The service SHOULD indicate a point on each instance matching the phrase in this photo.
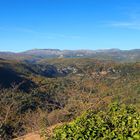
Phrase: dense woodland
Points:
(35, 96)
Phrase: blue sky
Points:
(69, 24)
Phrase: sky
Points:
(69, 24)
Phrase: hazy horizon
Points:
(70, 49)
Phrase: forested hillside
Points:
(34, 96)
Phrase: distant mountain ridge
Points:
(105, 54)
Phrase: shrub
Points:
(118, 122)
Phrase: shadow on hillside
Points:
(9, 78)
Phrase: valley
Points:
(53, 91)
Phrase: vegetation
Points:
(116, 123)
(56, 91)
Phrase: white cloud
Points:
(128, 25)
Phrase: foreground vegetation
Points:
(118, 122)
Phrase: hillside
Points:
(59, 90)
(17, 72)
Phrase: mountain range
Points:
(105, 54)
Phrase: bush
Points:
(118, 122)
(6, 131)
